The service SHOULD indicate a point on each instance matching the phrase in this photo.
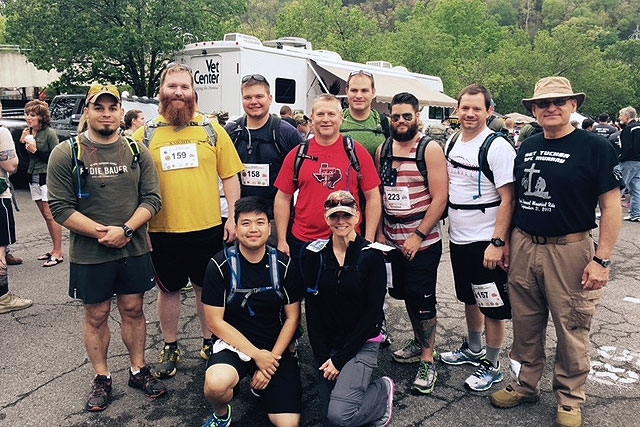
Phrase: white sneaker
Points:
(10, 302)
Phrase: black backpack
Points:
(301, 156)
(274, 134)
(387, 158)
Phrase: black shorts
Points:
(283, 395)
(7, 223)
(96, 283)
(178, 257)
(466, 261)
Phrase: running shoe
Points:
(484, 377)
(148, 383)
(425, 380)
(463, 355)
(100, 391)
(216, 421)
(166, 367)
(410, 353)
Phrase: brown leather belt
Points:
(556, 240)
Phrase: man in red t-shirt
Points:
(326, 168)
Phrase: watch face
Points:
(497, 242)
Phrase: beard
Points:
(177, 115)
(405, 136)
(105, 131)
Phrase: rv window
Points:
(436, 113)
(285, 91)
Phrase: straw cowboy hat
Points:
(553, 87)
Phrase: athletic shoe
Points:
(215, 421)
(509, 398)
(425, 380)
(484, 377)
(13, 260)
(632, 218)
(463, 355)
(385, 419)
(166, 367)
(100, 391)
(10, 302)
(410, 353)
(146, 382)
(568, 416)
(205, 351)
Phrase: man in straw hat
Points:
(560, 175)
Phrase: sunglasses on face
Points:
(171, 65)
(546, 103)
(256, 77)
(406, 116)
(346, 201)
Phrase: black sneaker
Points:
(100, 391)
(146, 382)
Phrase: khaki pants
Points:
(546, 279)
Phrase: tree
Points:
(125, 42)
(3, 29)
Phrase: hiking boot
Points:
(205, 351)
(425, 380)
(215, 421)
(10, 302)
(166, 367)
(509, 398)
(100, 391)
(12, 260)
(385, 419)
(410, 353)
(484, 377)
(568, 416)
(463, 355)
(146, 382)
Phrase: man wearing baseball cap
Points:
(104, 189)
(560, 175)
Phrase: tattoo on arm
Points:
(7, 154)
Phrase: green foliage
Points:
(120, 41)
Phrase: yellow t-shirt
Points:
(189, 167)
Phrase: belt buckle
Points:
(538, 240)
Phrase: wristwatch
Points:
(127, 231)
(603, 262)
(497, 242)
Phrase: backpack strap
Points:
(384, 123)
(78, 166)
(420, 162)
(151, 126)
(301, 156)
(386, 162)
(316, 247)
(210, 131)
(274, 135)
(350, 149)
(135, 150)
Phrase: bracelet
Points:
(420, 234)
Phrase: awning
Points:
(517, 117)
(387, 85)
(17, 71)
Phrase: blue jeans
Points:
(631, 177)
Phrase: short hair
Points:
(475, 89)
(250, 204)
(604, 117)
(326, 97)
(361, 73)
(130, 116)
(174, 67)
(255, 82)
(587, 123)
(285, 110)
(405, 98)
(629, 112)
(39, 108)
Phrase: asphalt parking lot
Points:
(45, 374)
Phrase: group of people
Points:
(370, 194)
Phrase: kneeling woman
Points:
(346, 285)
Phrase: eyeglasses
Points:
(340, 215)
(345, 201)
(406, 116)
(257, 77)
(546, 103)
(179, 65)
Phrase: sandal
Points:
(44, 257)
(53, 261)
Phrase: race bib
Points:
(179, 157)
(255, 175)
(397, 198)
(487, 295)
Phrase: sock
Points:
(475, 341)
(171, 344)
(493, 353)
(108, 375)
(135, 372)
(4, 290)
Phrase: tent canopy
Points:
(17, 71)
(387, 85)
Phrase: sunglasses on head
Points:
(340, 215)
(345, 201)
(546, 103)
(171, 65)
(406, 116)
(256, 77)
(358, 72)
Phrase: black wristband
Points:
(420, 234)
